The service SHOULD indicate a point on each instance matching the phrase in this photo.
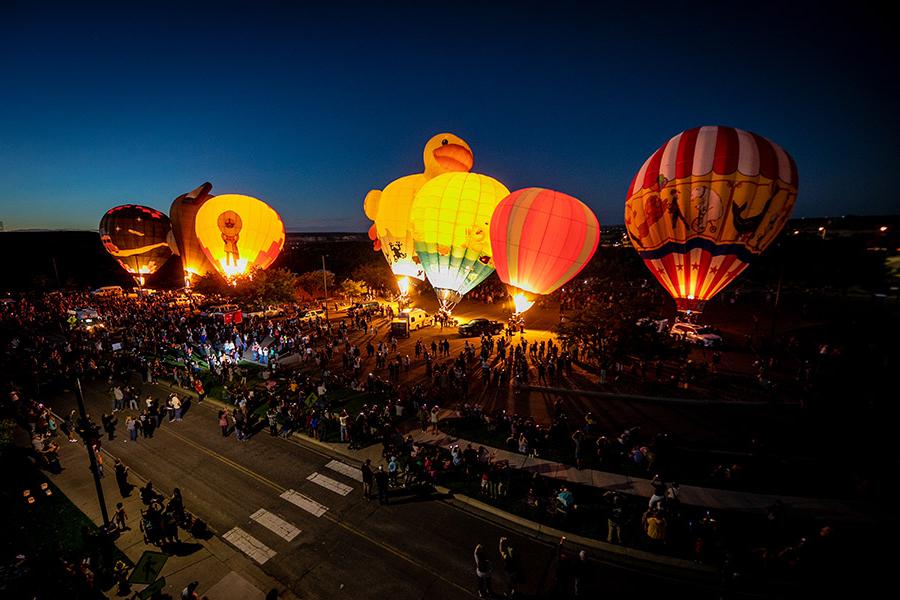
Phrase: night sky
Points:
(309, 107)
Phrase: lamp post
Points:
(325, 284)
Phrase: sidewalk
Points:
(223, 572)
(712, 498)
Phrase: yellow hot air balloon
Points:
(451, 226)
(183, 214)
(237, 233)
(390, 208)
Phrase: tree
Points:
(352, 288)
(270, 286)
(377, 275)
(213, 284)
(313, 283)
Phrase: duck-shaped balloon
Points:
(389, 208)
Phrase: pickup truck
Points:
(478, 327)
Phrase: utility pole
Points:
(325, 283)
(90, 450)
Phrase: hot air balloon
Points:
(183, 214)
(238, 233)
(704, 205)
(390, 208)
(140, 238)
(541, 239)
(451, 221)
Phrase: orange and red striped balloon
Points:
(541, 239)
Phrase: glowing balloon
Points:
(183, 214)
(704, 205)
(390, 208)
(451, 221)
(140, 238)
(541, 239)
(237, 233)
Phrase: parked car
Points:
(219, 310)
(478, 327)
(696, 334)
(312, 314)
(266, 311)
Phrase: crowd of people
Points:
(304, 367)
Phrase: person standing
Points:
(483, 571)
(368, 477)
(434, 419)
(120, 517)
(510, 561)
(381, 481)
(121, 473)
(176, 406)
(223, 423)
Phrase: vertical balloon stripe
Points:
(748, 154)
(667, 163)
(768, 160)
(684, 162)
(726, 154)
(705, 151)
(651, 175)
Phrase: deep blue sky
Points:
(308, 107)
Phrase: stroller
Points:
(151, 526)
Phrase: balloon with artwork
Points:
(183, 214)
(138, 237)
(705, 205)
(238, 233)
(390, 208)
(451, 222)
(541, 239)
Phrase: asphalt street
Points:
(413, 548)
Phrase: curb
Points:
(650, 399)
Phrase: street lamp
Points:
(325, 285)
(822, 231)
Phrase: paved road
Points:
(412, 548)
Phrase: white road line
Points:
(345, 469)
(307, 504)
(249, 545)
(276, 524)
(330, 484)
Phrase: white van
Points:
(409, 320)
(108, 290)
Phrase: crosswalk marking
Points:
(307, 504)
(276, 524)
(330, 484)
(345, 469)
(249, 545)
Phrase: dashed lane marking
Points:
(330, 484)
(276, 524)
(345, 469)
(304, 502)
(249, 545)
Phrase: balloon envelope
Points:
(139, 237)
(390, 208)
(541, 239)
(183, 214)
(237, 233)
(704, 205)
(451, 217)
